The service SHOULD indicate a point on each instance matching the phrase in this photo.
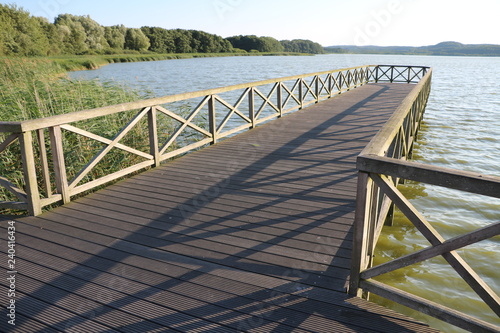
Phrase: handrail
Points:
(381, 165)
(43, 143)
(34, 124)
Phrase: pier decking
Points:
(252, 234)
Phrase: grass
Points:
(38, 88)
(72, 63)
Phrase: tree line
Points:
(25, 35)
(251, 43)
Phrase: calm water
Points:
(460, 131)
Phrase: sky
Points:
(328, 22)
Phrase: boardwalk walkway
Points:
(252, 234)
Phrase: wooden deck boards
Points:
(252, 234)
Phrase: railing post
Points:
(251, 106)
(316, 88)
(301, 93)
(360, 234)
(279, 98)
(153, 136)
(330, 85)
(59, 164)
(212, 119)
(44, 163)
(28, 159)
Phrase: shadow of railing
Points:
(164, 253)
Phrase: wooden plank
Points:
(227, 192)
(430, 252)
(14, 205)
(337, 186)
(212, 293)
(8, 141)
(211, 216)
(430, 308)
(338, 299)
(58, 319)
(269, 250)
(44, 163)
(358, 263)
(9, 186)
(254, 258)
(455, 179)
(153, 136)
(84, 303)
(323, 239)
(10, 127)
(327, 244)
(30, 177)
(187, 208)
(60, 175)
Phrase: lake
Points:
(460, 130)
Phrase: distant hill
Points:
(444, 49)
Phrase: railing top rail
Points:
(401, 66)
(35, 124)
(383, 139)
(467, 181)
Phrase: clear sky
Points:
(328, 22)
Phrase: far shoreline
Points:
(90, 62)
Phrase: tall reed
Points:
(32, 89)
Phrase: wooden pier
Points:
(252, 234)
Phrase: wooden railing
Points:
(382, 165)
(44, 146)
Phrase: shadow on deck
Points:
(252, 234)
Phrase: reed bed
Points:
(38, 88)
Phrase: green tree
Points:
(20, 33)
(270, 44)
(72, 34)
(161, 40)
(84, 35)
(115, 36)
(302, 46)
(55, 45)
(182, 41)
(246, 43)
(252, 42)
(136, 40)
(94, 33)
